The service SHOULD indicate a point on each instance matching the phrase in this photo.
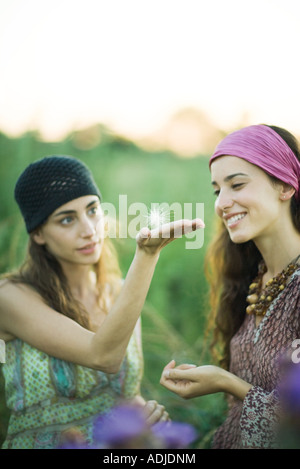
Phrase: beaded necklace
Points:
(260, 299)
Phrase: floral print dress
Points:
(48, 396)
(256, 357)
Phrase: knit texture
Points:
(49, 183)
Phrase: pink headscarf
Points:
(262, 146)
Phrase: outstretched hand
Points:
(152, 241)
(190, 381)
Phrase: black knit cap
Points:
(49, 183)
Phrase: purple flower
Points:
(290, 390)
(121, 424)
(174, 434)
(125, 426)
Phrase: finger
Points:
(172, 385)
(188, 226)
(165, 417)
(183, 366)
(197, 223)
(186, 366)
(143, 235)
(177, 228)
(156, 415)
(165, 379)
(179, 374)
(170, 365)
(150, 407)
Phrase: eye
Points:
(66, 220)
(237, 186)
(216, 188)
(93, 210)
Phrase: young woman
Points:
(255, 279)
(71, 327)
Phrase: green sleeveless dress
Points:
(48, 396)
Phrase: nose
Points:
(223, 203)
(87, 227)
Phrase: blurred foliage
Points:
(174, 317)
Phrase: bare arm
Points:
(189, 381)
(112, 337)
(24, 315)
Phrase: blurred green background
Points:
(174, 316)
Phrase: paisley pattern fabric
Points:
(48, 396)
(256, 357)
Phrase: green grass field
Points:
(174, 317)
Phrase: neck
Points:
(81, 280)
(278, 252)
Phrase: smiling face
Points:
(74, 233)
(247, 201)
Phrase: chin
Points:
(239, 238)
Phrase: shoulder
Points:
(15, 299)
(7, 293)
(10, 292)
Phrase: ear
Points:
(286, 192)
(38, 237)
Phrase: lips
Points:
(88, 248)
(234, 218)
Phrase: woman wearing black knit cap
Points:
(70, 325)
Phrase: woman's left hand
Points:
(153, 241)
(154, 412)
(190, 381)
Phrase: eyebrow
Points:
(231, 176)
(68, 212)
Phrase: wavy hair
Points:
(230, 268)
(42, 272)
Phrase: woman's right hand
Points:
(190, 381)
(153, 241)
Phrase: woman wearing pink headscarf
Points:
(254, 267)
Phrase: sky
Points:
(131, 64)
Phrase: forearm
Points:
(111, 340)
(234, 385)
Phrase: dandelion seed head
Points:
(157, 216)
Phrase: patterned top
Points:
(48, 396)
(256, 354)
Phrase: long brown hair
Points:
(42, 272)
(230, 268)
